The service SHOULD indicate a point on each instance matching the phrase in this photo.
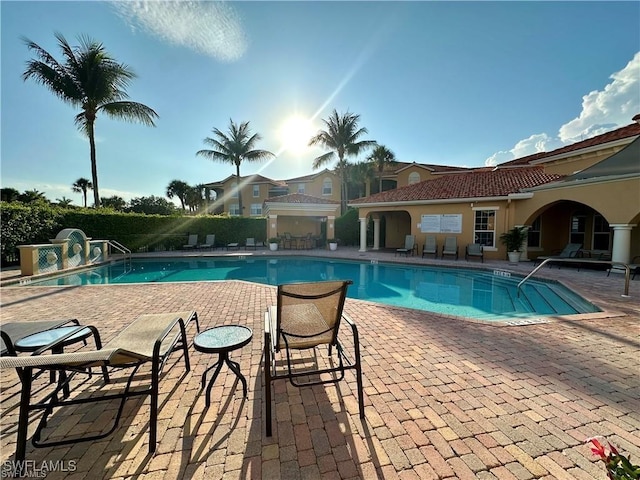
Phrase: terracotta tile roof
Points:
(308, 178)
(429, 166)
(299, 198)
(618, 134)
(251, 179)
(477, 183)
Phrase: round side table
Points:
(222, 340)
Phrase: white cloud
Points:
(210, 28)
(602, 111)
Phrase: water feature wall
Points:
(71, 248)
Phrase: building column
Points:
(272, 230)
(331, 229)
(363, 234)
(524, 248)
(376, 233)
(621, 251)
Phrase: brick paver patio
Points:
(445, 397)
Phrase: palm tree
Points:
(89, 79)
(359, 174)
(81, 185)
(341, 136)
(64, 202)
(178, 189)
(381, 158)
(239, 146)
(32, 196)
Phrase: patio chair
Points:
(409, 245)
(430, 246)
(192, 242)
(250, 243)
(474, 250)
(209, 242)
(450, 247)
(12, 332)
(569, 251)
(308, 315)
(287, 242)
(149, 340)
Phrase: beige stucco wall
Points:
(405, 220)
(403, 176)
(314, 186)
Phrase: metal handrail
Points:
(126, 253)
(627, 269)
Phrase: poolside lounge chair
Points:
(150, 339)
(287, 242)
(308, 315)
(210, 242)
(430, 246)
(192, 242)
(450, 247)
(409, 245)
(12, 332)
(634, 267)
(569, 251)
(474, 250)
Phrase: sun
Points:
(295, 134)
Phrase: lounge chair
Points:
(569, 251)
(634, 267)
(210, 242)
(150, 339)
(474, 250)
(192, 242)
(233, 246)
(250, 243)
(430, 246)
(409, 245)
(12, 332)
(450, 247)
(308, 315)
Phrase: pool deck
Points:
(445, 398)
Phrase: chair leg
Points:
(23, 419)
(153, 420)
(267, 381)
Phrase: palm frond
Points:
(130, 111)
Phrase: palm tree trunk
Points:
(239, 189)
(84, 194)
(94, 165)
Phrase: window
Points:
(301, 188)
(256, 209)
(256, 191)
(485, 228)
(578, 223)
(327, 187)
(234, 209)
(601, 233)
(234, 190)
(533, 239)
(414, 177)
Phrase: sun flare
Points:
(295, 134)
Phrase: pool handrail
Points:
(126, 253)
(627, 269)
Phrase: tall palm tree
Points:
(81, 185)
(235, 148)
(88, 78)
(358, 175)
(178, 189)
(381, 158)
(341, 136)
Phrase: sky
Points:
(446, 83)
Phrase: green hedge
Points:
(30, 224)
(38, 223)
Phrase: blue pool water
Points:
(472, 293)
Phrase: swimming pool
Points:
(471, 293)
